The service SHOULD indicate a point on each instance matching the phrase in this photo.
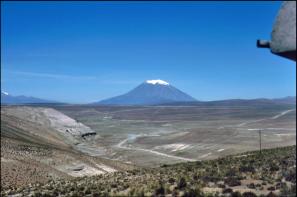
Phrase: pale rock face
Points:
(50, 118)
(157, 81)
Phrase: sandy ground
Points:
(168, 150)
(121, 145)
(184, 133)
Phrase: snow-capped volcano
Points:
(157, 81)
(150, 92)
(5, 93)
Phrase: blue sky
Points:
(87, 51)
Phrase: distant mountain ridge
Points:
(7, 99)
(10, 99)
(150, 92)
(286, 100)
(290, 100)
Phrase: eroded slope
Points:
(35, 147)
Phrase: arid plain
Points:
(150, 136)
(50, 142)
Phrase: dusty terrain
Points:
(150, 136)
(51, 143)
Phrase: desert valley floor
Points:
(60, 141)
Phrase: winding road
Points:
(122, 146)
(274, 117)
(122, 143)
(282, 114)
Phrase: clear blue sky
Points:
(87, 51)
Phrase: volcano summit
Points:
(150, 92)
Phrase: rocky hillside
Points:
(270, 173)
(34, 149)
